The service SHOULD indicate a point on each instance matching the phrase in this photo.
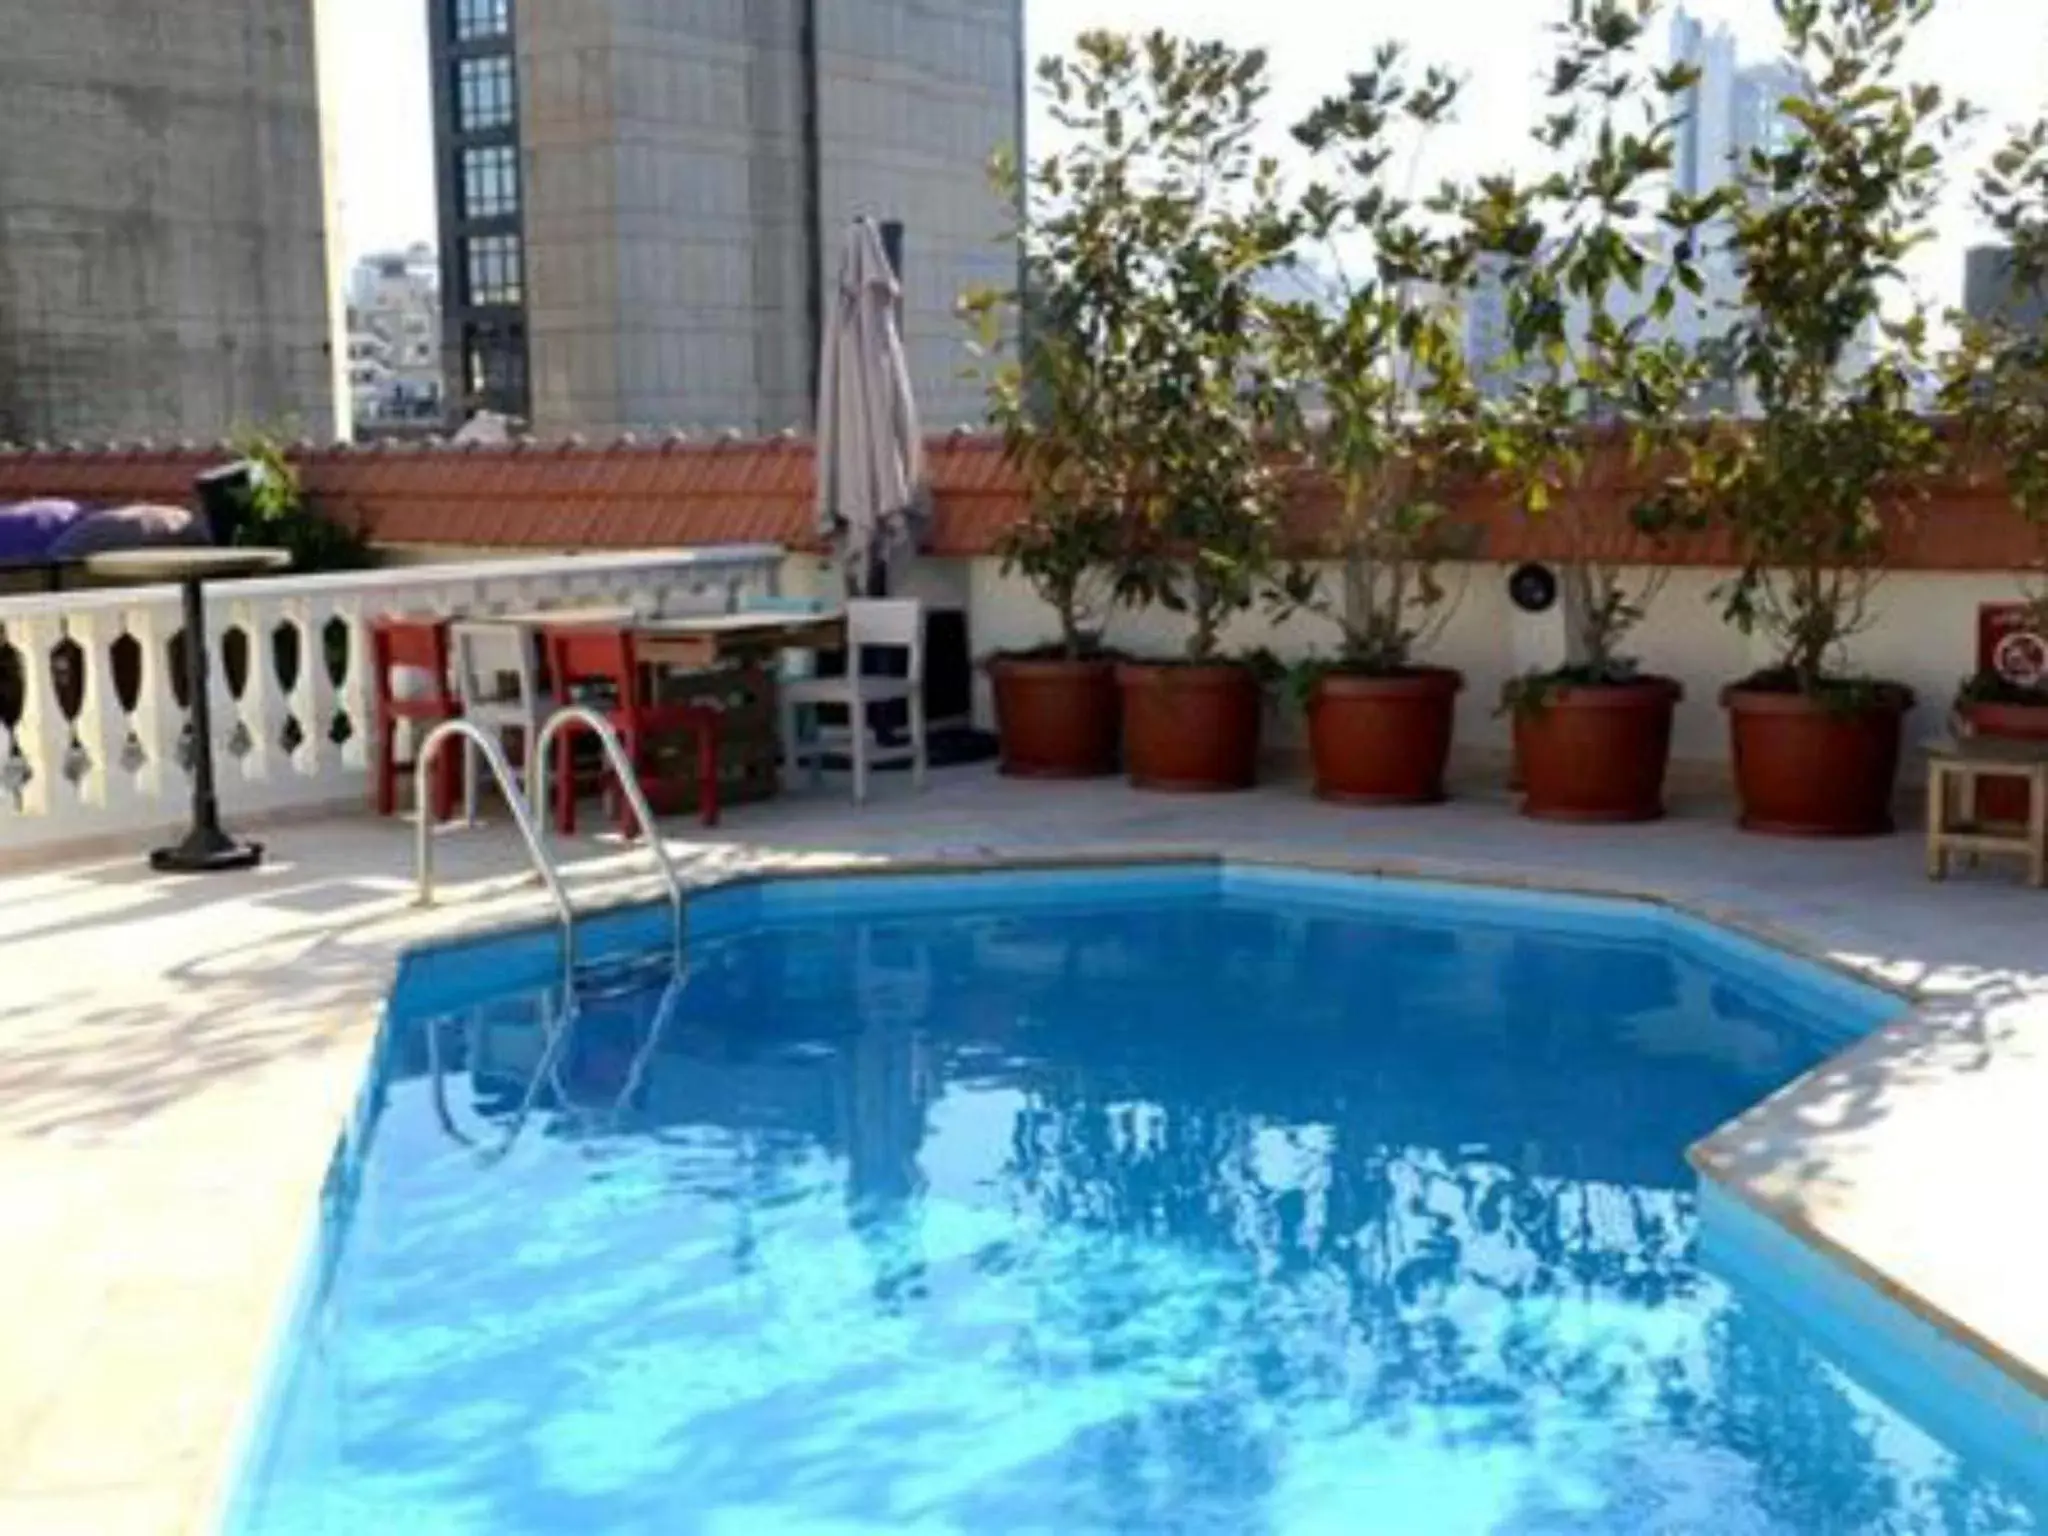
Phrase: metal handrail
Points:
(558, 1036)
(629, 786)
(665, 1010)
(524, 815)
(547, 1073)
(536, 847)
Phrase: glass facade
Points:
(476, 89)
(490, 182)
(475, 19)
(494, 362)
(495, 275)
(483, 93)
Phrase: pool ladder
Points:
(547, 1074)
(528, 815)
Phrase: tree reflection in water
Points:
(1181, 1216)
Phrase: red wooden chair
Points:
(594, 659)
(420, 646)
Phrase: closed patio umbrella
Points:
(873, 500)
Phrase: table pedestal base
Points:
(206, 851)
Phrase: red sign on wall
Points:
(2009, 644)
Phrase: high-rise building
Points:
(1487, 322)
(641, 200)
(394, 339)
(1990, 292)
(1730, 112)
(1488, 331)
(164, 269)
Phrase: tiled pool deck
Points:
(176, 1057)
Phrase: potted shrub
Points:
(1373, 358)
(1996, 383)
(1596, 262)
(1057, 714)
(1195, 215)
(1064, 399)
(274, 510)
(1835, 446)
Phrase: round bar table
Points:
(206, 848)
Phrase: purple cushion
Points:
(28, 529)
(136, 527)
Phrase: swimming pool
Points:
(1179, 1199)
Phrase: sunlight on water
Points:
(1189, 1216)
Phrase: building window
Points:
(494, 267)
(482, 18)
(494, 368)
(483, 93)
(490, 182)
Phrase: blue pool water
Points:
(1168, 1202)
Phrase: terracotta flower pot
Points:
(1382, 740)
(1057, 719)
(1597, 753)
(2005, 799)
(1816, 767)
(1192, 728)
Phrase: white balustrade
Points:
(93, 722)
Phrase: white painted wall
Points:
(1923, 633)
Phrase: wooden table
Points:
(1953, 769)
(702, 644)
(733, 639)
(724, 659)
(206, 849)
(51, 571)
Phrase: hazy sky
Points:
(1993, 51)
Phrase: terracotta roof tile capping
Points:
(684, 490)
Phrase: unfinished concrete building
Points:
(164, 269)
(641, 200)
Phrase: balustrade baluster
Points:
(42, 733)
(129, 771)
(311, 696)
(101, 729)
(158, 723)
(235, 752)
(354, 697)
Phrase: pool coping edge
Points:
(509, 911)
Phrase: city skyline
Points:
(384, 120)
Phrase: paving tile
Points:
(98, 1512)
(164, 1122)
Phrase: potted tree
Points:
(1996, 384)
(1057, 713)
(1065, 399)
(1202, 228)
(1597, 260)
(1375, 367)
(1835, 447)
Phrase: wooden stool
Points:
(1953, 769)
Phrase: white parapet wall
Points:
(1920, 630)
(98, 744)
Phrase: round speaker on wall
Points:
(1533, 588)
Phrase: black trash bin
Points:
(222, 496)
